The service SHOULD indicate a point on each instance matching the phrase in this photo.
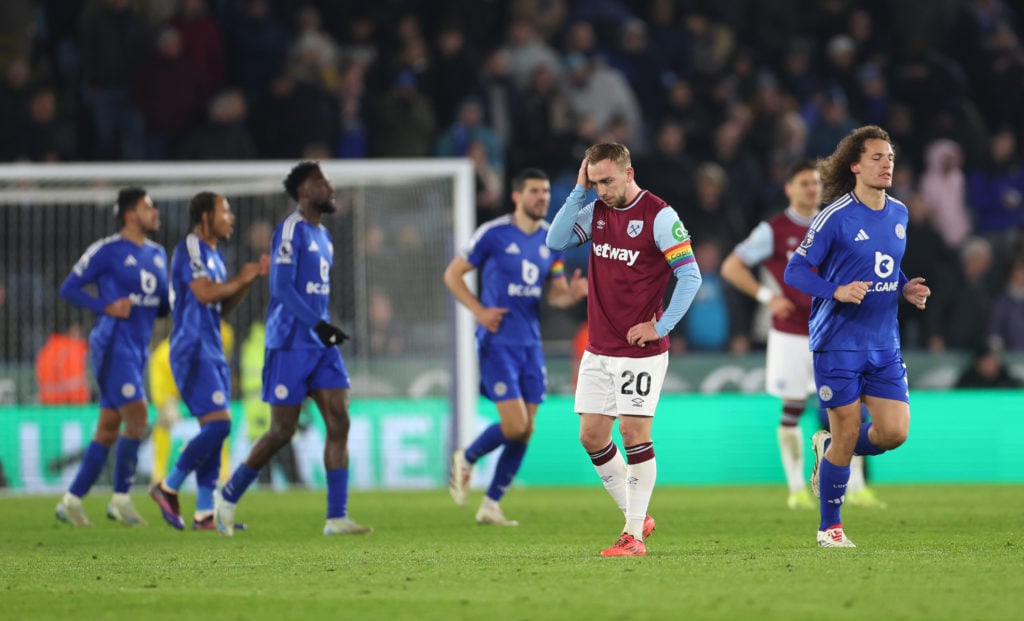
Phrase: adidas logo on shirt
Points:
(512, 248)
(861, 236)
(313, 247)
(130, 260)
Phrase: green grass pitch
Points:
(936, 552)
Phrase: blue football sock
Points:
(509, 461)
(199, 449)
(239, 482)
(832, 482)
(337, 493)
(126, 460)
(206, 481)
(89, 470)
(488, 440)
(864, 445)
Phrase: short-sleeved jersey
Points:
(120, 268)
(771, 244)
(634, 252)
(513, 269)
(848, 241)
(309, 252)
(196, 330)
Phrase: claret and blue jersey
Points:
(848, 241)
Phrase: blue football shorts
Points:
(204, 384)
(119, 375)
(842, 377)
(512, 372)
(290, 374)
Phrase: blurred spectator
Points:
(711, 43)
(314, 55)
(741, 167)
(403, 123)
(547, 16)
(927, 255)
(668, 167)
(352, 129)
(1007, 322)
(46, 136)
(960, 315)
(467, 129)
(359, 46)
(490, 182)
(944, 189)
(169, 92)
(455, 71)
(201, 42)
(829, 121)
(705, 327)
(61, 367)
(987, 370)
(525, 50)
(872, 95)
(996, 190)
(603, 94)
(15, 91)
(712, 214)
(501, 97)
(257, 46)
(224, 136)
(542, 138)
(114, 43)
(642, 67)
(388, 336)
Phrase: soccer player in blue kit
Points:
(856, 243)
(301, 357)
(129, 272)
(201, 295)
(515, 265)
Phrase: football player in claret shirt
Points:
(638, 244)
(515, 267)
(856, 244)
(301, 357)
(129, 272)
(201, 294)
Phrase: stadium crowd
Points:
(715, 99)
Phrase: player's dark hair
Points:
(300, 173)
(801, 166)
(127, 199)
(519, 181)
(204, 202)
(617, 153)
(836, 176)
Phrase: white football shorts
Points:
(613, 386)
(789, 370)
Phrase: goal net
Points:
(398, 224)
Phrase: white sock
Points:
(856, 475)
(791, 447)
(613, 476)
(70, 498)
(640, 480)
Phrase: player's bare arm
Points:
(488, 317)
(563, 294)
(736, 273)
(916, 292)
(852, 293)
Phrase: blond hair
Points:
(614, 151)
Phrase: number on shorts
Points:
(643, 383)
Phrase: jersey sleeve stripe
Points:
(288, 232)
(679, 255)
(91, 251)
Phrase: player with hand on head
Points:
(201, 295)
(301, 355)
(129, 272)
(638, 244)
(849, 263)
(515, 264)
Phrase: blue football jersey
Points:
(300, 283)
(513, 268)
(196, 330)
(120, 268)
(848, 241)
